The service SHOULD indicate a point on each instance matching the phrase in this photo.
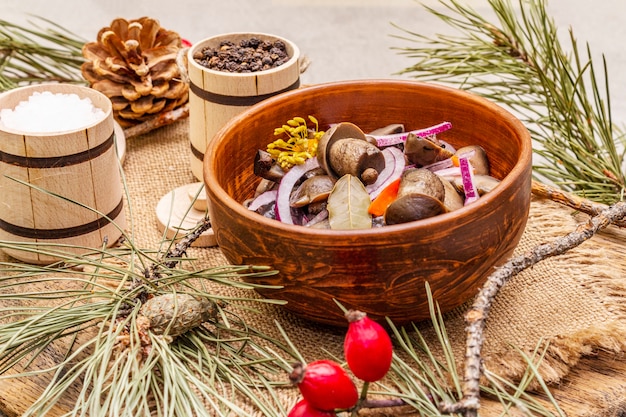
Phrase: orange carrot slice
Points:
(378, 206)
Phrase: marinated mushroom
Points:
(324, 224)
(453, 200)
(388, 130)
(422, 151)
(412, 207)
(339, 131)
(420, 195)
(264, 185)
(344, 149)
(391, 129)
(266, 167)
(356, 157)
(483, 183)
(267, 210)
(312, 190)
(421, 181)
(314, 172)
(478, 158)
(316, 207)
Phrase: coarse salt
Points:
(47, 112)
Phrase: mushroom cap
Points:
(483, 183)
(388, 130)
(453, 199)
(356, 157)
(339, 131)
(313, 189)
(423, 151)
(421, 181)
(411, 207)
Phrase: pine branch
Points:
(43, 52)
(520, 63)
(121, 361)
(556, 94)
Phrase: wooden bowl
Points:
(381, 271)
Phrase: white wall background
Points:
(344, 39)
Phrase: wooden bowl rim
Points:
(489, 200)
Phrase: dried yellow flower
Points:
(299, 145)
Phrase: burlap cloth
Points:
(574, 302)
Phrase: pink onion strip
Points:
(439, 165)
(467, 176)
(263, 199)
(448, 162)
(283, 209)
(383, 141)
(394, 165)
(449, 172)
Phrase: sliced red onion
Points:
(439, 165)
(383, 141)
(467, 154)
(449, 172)
(394, 165)
(263, 199)
(319, 217)
(283, 209)
(448, 162)
(467, 176)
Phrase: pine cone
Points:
(134, 64)
(177, 313)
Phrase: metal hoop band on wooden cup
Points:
(60, 187)
(217, 96)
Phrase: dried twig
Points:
(382, 403)
(159, 120)
(571, 200)
(172, 257)
(478, 313)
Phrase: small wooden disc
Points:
(179, 213)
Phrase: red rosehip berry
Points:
(367, 347)
(325, 385)
(304, 409)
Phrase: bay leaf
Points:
(347, 204)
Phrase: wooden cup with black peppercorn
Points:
(230, 73)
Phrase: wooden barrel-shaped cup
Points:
(59, 187)
(218, 96)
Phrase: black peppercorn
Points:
(249, 55)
